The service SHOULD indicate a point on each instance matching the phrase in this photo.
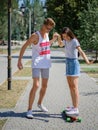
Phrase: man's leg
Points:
(33, 92)
(42, 91)
(32, 97)
(42, 94)
(45, 76)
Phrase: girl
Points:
(72, 47)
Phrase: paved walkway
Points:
(56, 99)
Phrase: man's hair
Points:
(49, 21)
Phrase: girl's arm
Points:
(84, 55)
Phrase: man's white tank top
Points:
(41, 53)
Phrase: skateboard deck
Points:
(69, 118)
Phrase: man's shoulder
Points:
(35, 34)
(35, 38)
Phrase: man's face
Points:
(48, 28)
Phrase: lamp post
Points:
(9, 44)
(45, 11)
(23, 10)
(29, 23)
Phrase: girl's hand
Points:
(91, 62)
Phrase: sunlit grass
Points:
(90, 70)
(2, 122)
(28, 63)
(8, 98)
(25, 72)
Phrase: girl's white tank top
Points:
(41, 53)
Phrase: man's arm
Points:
(33, 39)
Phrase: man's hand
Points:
(55, 36)
(19, 65)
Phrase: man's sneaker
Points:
(69, 108)
(73, 112)
(44, 109)
(29, 114)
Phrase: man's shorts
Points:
(36, 72)
(72, 67)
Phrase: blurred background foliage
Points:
(80, 15)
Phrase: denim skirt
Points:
(72, 67)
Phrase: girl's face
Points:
(66, 37)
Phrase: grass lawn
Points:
(8, 98)
(25, 72)
(91, 70)
(2, 122)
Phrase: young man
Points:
(40, 62)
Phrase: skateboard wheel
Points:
(68, 119)
(63, 111)
(79, 119)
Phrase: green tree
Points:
(65, 12)
(4, 17)
(17, 26)
(37, 15)
(88, 32)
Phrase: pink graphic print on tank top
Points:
(45, 48)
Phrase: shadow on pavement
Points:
(12, 114)
(38, 115)
(89, 93)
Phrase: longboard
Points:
(69, 118)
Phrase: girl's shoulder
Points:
(75, 40)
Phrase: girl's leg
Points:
(73, 85)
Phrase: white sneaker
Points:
(44, 109)
(69, 108)
(29, 114)
(73, 112)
